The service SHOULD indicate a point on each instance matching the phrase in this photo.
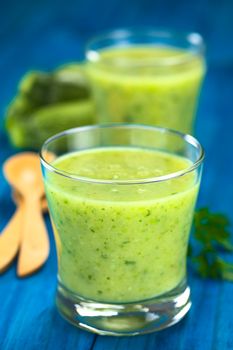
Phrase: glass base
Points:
(127, 318)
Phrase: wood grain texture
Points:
(45, 34)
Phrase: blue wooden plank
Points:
(222, 338)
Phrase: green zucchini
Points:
(47, 103)
(47, 121)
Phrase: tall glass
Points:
(122, 243)
(147, 76)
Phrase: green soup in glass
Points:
(121, 200)
(147, 77)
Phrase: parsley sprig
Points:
(211, 239)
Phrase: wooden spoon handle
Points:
(34, 248)
(17, 198)
(10, 239)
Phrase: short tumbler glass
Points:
(146, 76)
(122, 244)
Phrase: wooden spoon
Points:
(11, 235)
(10, 239)
(24, 174)
(17, 198)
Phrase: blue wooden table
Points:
(43, 35)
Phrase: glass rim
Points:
(195, 39)
(186, 137)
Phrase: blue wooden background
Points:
(43, 34)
